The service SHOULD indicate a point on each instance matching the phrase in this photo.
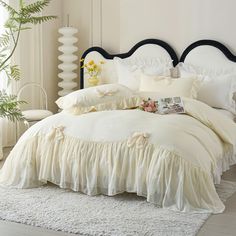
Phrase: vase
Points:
(93, 81)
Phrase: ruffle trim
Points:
(195, 88)
(117, 104)
(232, 101)
(110, 168)
(142, 63)
(206, 72)
(224, 164)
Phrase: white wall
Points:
(111, 25)
(98, 22)
(178, 22)
(125, 22)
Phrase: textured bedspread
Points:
(172, 160)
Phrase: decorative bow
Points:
(106, 93)
(139, 139)
(56, 133)
(167, 79)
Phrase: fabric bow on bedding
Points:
(138, 139)
(167, 80)
(56, 133)
(106, 93)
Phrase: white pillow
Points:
(99, 98)
(35, 115)
(216, 90)
(169, 87)
(129, 70)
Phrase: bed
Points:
(171, 160)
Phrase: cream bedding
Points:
(172, 160)
(229, 114)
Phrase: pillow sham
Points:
(216, 90)
(169, 87)
(129, 70)
(103, 97)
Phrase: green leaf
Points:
(35, 7)
(4, 51)
(21, 3)
(25, 28)
(5, 39)
(12, 72)
(10, 9)
(10, 24)
(15, 72)
(9, 107)
(34, 19)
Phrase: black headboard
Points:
(208, 42)
(107, 55)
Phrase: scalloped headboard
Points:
(209, 55)
(149, 48)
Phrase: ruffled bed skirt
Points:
(154, 172)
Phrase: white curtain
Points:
(7, 136)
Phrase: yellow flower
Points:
(91, 62)
(92, 68)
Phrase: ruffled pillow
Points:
(99, 98)
(129, 70)
(169, 87)
(216, 90)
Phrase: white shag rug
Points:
(126, 214)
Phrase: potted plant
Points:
(17, 21)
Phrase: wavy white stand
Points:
(67, 66)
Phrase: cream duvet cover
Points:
(172, 160)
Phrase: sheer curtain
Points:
(6, 128)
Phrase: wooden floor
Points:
(217, 225)
(223, 224)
